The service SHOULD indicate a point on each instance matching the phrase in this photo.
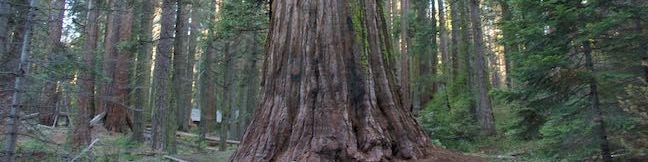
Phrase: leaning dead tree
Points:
(329, 93)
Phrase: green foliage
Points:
(449, 118)
(236, 17)
(553, 96)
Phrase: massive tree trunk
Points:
(326, 96)
(49, 96)
(484, 109)
(163, 119)
(181, 85)
(117, 118)
(86, 79)
(405, 56)
(18, 88)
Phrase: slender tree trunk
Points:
(484, 109)
(644, 63)
(426, 47)
(49, 94)
(251, 83)
(181, 84)
(443, 38)
(228, 80)
(196, 29)
(509, 48)
(208, 79)
(454, 40)
(342, 110)
(143, 76)
(5, 13)
(11, 60)
(595, 104)
(22, 71)
(163, 119)
(405, 56)
(86, 79)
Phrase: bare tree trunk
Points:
(196, 29)
(228, 80)
(405, 56)
(208, 79)
(425, 47)
(181, 85)
(595, 103)
(644, 63)
(251, 83)
(49, 94)
(11, 58)
(343, 110)
(509, 49)
(111, 38)
(5, 13)
(443, 38)
(117, 118)
(143, 91)
(455, 40)
(22, 71)
(484, 109)
(86, 79)
(163, 119)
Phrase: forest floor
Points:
(46, 143)
(52, 144)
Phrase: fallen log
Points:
(86, 149)
(174, 158)
(208, 138)
(97, 119)
(217, 139)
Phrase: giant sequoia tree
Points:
(328, 94)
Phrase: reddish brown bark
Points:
(117, 118)
(208, 80)
(49, 96)
(319, 103)
(86, 82)
(405, 57)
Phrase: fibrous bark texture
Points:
(484, 108)
(182, 88)
(86, 82)
(163, 125)
(117, 118)
(326, 96)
